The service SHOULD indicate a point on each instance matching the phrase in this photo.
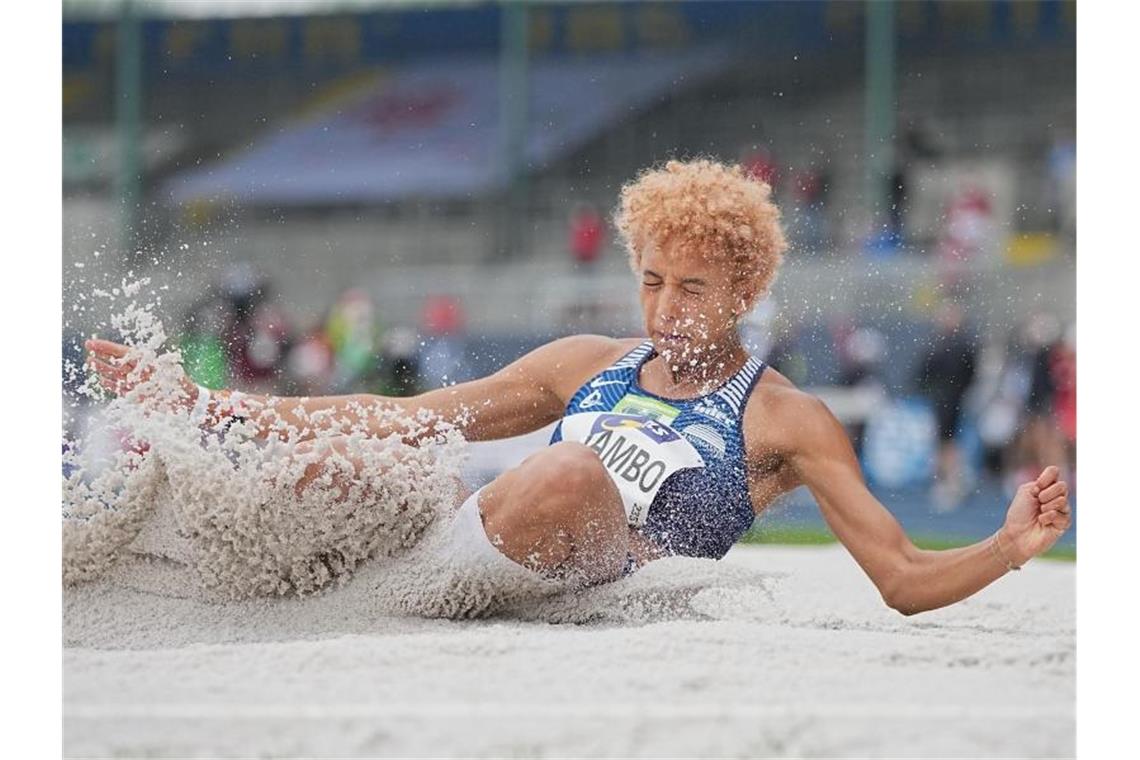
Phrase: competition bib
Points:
(638, 452)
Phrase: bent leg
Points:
(558, 513)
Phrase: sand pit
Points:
(214, 607)
(776, 651)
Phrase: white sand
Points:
(776, 651)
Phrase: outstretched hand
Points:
(119, 372)
(1038, 515)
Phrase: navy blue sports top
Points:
(678, 463)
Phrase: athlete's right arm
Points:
(522, 397)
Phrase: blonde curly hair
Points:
(706, 207)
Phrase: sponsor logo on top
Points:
(714, 413)
(653, 429)
(592, 400)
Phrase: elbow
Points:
(904, 608)
(897, 590)
(902, 604)
(894, 597)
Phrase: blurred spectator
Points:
(786, 354)
(257, 337)
(443, 355)
(967, 235)
(203, 352)
(351, 330)
(759, 164)
(862, 352)
(755, 328)
(1063, 368)
(915, 143)
(242, 286)
(587, 234)
(809, 192)
(310, 364)
(920, 139)
(944, 374)
(1052, 388)
(400, 373)
(996, 399)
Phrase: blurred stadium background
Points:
(388, 196)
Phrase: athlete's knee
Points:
(583, 501)
(569, 468)
(569, 488)
(550, 488)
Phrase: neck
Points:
(713, 364)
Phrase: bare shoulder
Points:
(781, 418)
(568, 362)
(576, 353)
(577, 350)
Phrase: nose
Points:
(668, 305)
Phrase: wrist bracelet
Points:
(201, 406)
(999, 555)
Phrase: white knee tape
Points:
(469, 577)
(470, 542)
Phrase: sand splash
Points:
(229, 504)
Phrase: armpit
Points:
(768, 479)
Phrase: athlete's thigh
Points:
(560, 505)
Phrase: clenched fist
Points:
(1038, 515)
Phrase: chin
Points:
(677, 348)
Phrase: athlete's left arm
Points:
(815, 446)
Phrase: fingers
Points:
(115, 375)
(1060, 504)
(117, 364)
(108, 371)
(105, 348)
(104, 353)
(1048, 476)
(1060, 488)
(102, 368)
(110, 378)
(111, 366)
(119, 369)
(1057, 520)
(1055, 512)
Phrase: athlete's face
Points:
(690, 304)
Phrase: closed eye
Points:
(693, 286)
